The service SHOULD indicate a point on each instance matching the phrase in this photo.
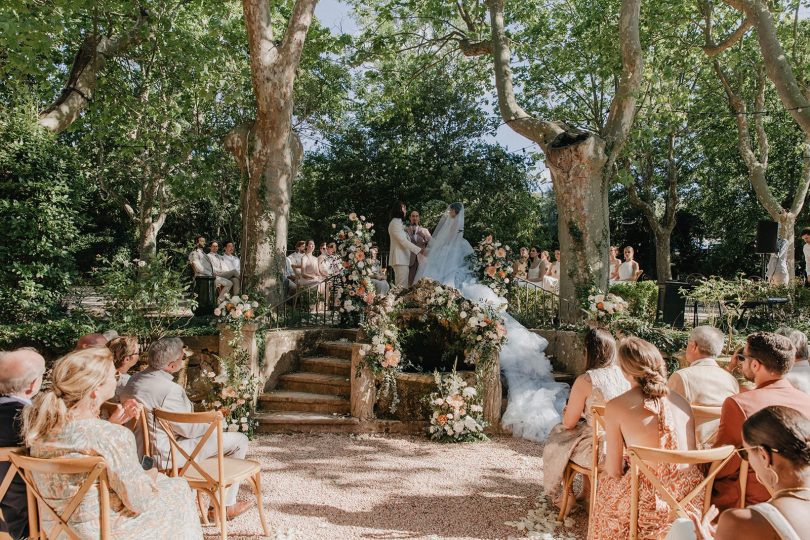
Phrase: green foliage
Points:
(143, 298)
(51, 338)
(641, 297)
(669, 341)
(41, 194)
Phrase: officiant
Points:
(419, 236)
(401, 246)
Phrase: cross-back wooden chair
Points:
(5, 452)
(96, 471)
(109, 407)
(705, 414)
(641, 457)
(571, 469)
(210, 475)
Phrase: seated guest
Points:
(646, 415)
(126, 353)
(704, 382)
(90, 341)
(766, 360)
(799, 374)
(290, 285)
(629, 270)
(64, 422)
(155, 388)
(775, 440)
(536, 267)
(555, 267)
(20, 380)
(231, 262)
(571, 439)
(221, 268)
(201, 265)
(295, 257)
(311, 272)
(381, 285)
(521, 263)
(615, 263)
(323, 253)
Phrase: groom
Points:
(420, 236)
(401, 246)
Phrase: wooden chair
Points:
(5, 452)
(210, 475)
(641, 456)
(703, 415)
(96, 471)
(744, 483)
(109, 407)
(571, 469)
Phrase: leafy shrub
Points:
(669, 341)
(41, 191)
(51, 338)
(641, 297)
(143, 298)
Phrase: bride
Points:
(535, 400)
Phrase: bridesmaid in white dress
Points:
(629, 270)
(571, 439)
(615, 263)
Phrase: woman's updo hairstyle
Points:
(642, 361)
(782, 430)
(74, 377)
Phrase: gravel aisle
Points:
(381, 487)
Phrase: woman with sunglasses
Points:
(776, 443)
(126, 353)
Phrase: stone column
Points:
(492, 395)
(363, 389)
(247, 341)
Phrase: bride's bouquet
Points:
(491, 262)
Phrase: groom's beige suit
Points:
(401, 249)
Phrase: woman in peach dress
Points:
(646, 415)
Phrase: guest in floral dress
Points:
(571, 439)
(64, 422)
(646, 415)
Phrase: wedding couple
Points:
(535, 401)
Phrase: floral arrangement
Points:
(236, 309)
(354, 249)
(606, 305)
(457, 411)
(232, 393)
(478, 327)
(492, 263)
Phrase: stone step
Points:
(305, 422)
(287, 401)
(563, 377)
(328, 365)
(316, 383)
(337, 349)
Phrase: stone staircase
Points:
(314, 399)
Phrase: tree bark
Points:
(581, 163)
(81, 84)
(271, 150)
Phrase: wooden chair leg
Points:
(568, 480)
(257, 485)
(201, 507)
(223, 513)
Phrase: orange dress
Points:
(611, 518)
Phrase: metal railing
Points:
(314, 304)
(533, 306)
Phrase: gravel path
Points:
(381, 487)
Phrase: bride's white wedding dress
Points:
(535, 401)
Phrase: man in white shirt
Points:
(297, 256)
(806, 251)
(230, 259)
(155, 388)
(704, 382)
(201, 264)
(221, 268)
(799, 374)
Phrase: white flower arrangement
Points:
(236, 308)
(606, 305)
(353, 249)
(492, 263)
(457, 414)
(232, 392)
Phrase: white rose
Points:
(141, 264)
(245, 427)
(468, 392)
(217, 312)
(233, 427)
(463, 314)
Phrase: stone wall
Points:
(566, 350)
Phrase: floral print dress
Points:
(611, 518)
(140, 508)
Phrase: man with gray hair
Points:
(799, 374)
(155, 388)
(21, 374)
(704, 382)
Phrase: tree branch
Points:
(713, 50)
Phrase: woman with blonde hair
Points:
(126, 353)
(64, 422)
(646, 415)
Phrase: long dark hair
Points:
(600, 348)
(398, 210)
(782, 430)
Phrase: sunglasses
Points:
(743, 452)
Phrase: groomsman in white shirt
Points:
(222, 269)
(232, 263)
(806, 251)
(201, 264)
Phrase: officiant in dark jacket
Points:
(21, 374)
(419, 236)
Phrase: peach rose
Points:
(500, 252)
(359, 256)
(441, 419)
(490, 270)
(488, 239)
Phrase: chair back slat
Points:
(214, 420)
(641, 456)
(12, 471)
(96, 470)
(134, 424)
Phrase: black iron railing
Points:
(314, 304)
(532, 306)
